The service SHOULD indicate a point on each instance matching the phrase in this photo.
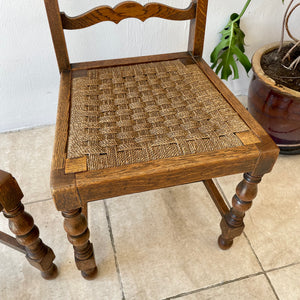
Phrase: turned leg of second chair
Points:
(27, 234)
(232, 224)
(75, 224)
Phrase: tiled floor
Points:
(159, 244)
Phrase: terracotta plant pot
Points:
(276, 108)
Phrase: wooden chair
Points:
(21, 224)
(131, 125)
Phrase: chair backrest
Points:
(59, 21)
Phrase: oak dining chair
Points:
(137, 124)
(22, 225)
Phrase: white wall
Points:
(28, 72)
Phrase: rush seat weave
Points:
(130, 114)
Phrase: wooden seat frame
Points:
(21, 223)
(72, 190)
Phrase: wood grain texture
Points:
(268, 155)
(127, 61)
(232, 224)
(64, 191)
(128, 9)
(10, 192)
(197, 28)
(112, 182)
(22, 225)
(75, 224)
(10, 197)
(27, 234)
(63, 186)
(11, 242)
(248, 137)
(57, 33)
(62, 122)
(76, 165)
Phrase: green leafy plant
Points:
(231, 48)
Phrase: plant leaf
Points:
(230, 49)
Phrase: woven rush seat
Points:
(137, 113)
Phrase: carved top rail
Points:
(128, 9)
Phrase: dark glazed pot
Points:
(276, 108)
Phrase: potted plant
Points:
(274, 92)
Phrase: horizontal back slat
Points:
(128, 9)
(59, 21)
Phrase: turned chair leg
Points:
(27, 234)
(232, 224)
(75, 225)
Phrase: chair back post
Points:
(197, 29)
(57, 33)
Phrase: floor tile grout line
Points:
(261, 266)
(26, 129)
(271, 285)
(114, 248)
(213, 286)
(283, 267)
(37, 201)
